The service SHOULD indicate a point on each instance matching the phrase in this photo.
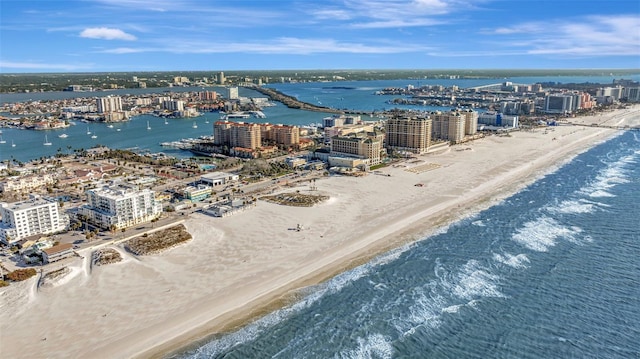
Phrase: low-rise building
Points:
(497, 119)
(196, 193)
(219, 178)
(26, 183)
(57, 252)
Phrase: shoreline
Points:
(239, 268)
(289, 294)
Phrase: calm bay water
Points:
(353, 95)
(551, 272)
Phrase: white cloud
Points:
(154, 5)
(283, 45)
(370, 14)
(616, 35)
(106, 33)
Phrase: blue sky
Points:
(165, 35)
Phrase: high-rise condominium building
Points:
(237, 134)
(282, 135)
(109, 104)
(448, 126)
(412, 134)
(232, 93)
(470, 121)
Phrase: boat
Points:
(64, 135)
(195, 125)
(110, 126)
(88, 131)
(13, 144)
(166, 122)
(94, 136)
(148, 126)
(235, 115)
(46, 141)
(2, 140)
(117, 129)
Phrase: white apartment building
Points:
(109, 104)
(173, 105)
(498, 119)
(31, 217)
(232, 93)
(120, 206)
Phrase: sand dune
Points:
(241, 266)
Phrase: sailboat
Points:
(148, 127)
(13, 144)
(88, 132)
(64, 135)
(2, 140)
(46, 141)
(94, 136)
(195, 125)
(166, 122)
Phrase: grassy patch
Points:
(295, 199)
(158, 241)
(19, 275)
(106, 256)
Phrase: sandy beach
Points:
(245, 265)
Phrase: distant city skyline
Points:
(191, 35)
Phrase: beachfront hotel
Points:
(363, 145)
(120, 206)
(497, 119)
(27, 218)
(411, 134)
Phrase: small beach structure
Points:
(57, 252)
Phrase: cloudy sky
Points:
(159, 35)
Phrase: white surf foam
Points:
(373, 346)
(514, 261)
(541, 234)
(479, 223)
(614, 174)
(447, 294)
(572, 207)
(476, 281)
